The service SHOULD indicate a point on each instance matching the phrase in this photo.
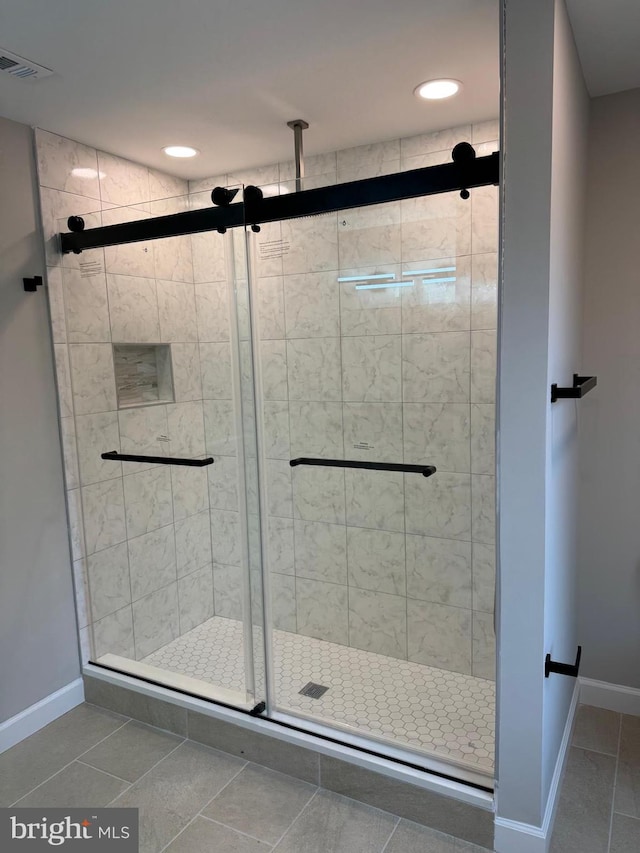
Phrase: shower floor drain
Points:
(315, 691)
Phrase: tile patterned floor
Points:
(599, 809)
(433, 710)
(193, 799)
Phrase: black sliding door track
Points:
(461, 175)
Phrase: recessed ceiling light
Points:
(180, 151)
(436, 90)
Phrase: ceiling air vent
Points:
(18, 66)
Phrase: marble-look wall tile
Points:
(189, 490)
(483, 366)
(437, 434)
(312, 305)
(228, 591)
(484, 646)
(164, 186)
(321, 551)
(440, 298)
(375, 499)
(484, 577)
(374, 153)
(104, 517)
(87, 311)
(439, 140)
(172, 257)
(152, 561)
(215, 364)
(372, 369)
(319, 494)
(223, 483)
(114, 634)
(69, 452)
(483, 438)
(315, 165)
(439, 570)
(195, 598)
(313, 244)
(280, 551)
(55, 207)
(484, 291)
(121, 181)
(276, 429)
(97, 434)
(63, 380)
(322, 611)
(177, 311)
(436, 367)
(273, 362)
(370, 311)
(316, 429)
(212, 311)
(225, 537)
(208, 255)
(129, 259)
(92, 377)
(144, 431)
(147, 498)
(185, 424)
(108, 573)
(313, 369)
(373, 431)
(279, 489)
(67, 165)
(133, 306)
(81, 590)
(439, 506)
(193, 543)
(76, 524)
(483, 504)
(378, 622)
(187, 381)
(56, 305)
(439, 635)
(370, 235)
(155, 619)
(376, 560)
(220, 427)
(269, 297)
(283, 602)
(484, 219)
(486, 131)
(435, 227)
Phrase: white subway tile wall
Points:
(394, 564)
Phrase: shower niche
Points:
(143, 374)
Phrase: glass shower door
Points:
(375, 343)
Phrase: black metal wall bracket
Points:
(562, 668)
(32, 284)
(581, 386)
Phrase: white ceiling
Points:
(226, 75)
(607, 34)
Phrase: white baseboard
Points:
(34, 718)
(613, 697)
(514, 837)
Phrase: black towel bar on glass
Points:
(425, 470)
(157, 460)
(571, 669)
(581, 386)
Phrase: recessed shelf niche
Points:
(143, 374)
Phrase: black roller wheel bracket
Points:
(562, 668)
(260, 708)
(463, 154)
(32, 284)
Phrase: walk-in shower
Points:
(284, 410)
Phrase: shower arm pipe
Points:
(255, 210)
(298, 126)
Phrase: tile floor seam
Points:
(234, 829)
(296, 819)
(105, 772)
(391, 834)
(615, 784)
(68, 764)
(146, 773)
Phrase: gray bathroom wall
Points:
(38, 631)
(609, 581)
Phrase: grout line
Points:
(69, 763)
(153, 766)
(296, 819)
(393, 832)
(235, 829)
(105, 772)
(615, 783)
